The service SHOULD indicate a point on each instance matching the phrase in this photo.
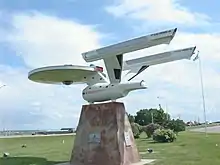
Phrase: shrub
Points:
(135, 130)
(140, 128)
(150, 128)
(164, 135)
(176, 125)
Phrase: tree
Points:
(131, 118)
(176, 125)
(147, 116)
(143, 117)
(150, 128)
(135, 130)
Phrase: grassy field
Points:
(190, 149)
(40, 150)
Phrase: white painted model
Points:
(140, 64)
(100, 88)
(159, 58)
(67, 73)
(163, 37)
(113, 54)
(103, 92)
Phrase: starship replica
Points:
(104, 133)
(102, 87)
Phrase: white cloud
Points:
(179, 81)
(45, 40)
(186, 70)
(58, 41)
(37, 105)
(42, 40)
(157, 11)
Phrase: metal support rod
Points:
(3, 128)
(203, 97)
(167, 111)
(166, 106)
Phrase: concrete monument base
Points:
(104, 136)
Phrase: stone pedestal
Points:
(104, 136)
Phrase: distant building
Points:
(67, 129)
(61, 131)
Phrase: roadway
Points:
(20, 136)
(212, 129)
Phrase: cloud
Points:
(207, 44)
(42, 40)
(24, 102)
(179, 82)
(157, 12)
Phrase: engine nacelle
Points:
(163, 37)
(105, 92)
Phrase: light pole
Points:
(3, 117)
(165, 105)
(158, 101)
(152, 117)
(202, 89)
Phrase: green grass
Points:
(40, 150)
(189, 149)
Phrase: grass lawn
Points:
(47, 150)
(190, 149)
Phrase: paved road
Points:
(214, 129)
(20, 136)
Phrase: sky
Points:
(37, 33)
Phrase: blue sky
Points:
(39, 33)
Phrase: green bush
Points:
(164, 135)
(135, 129)
(140, 128)
(176, 125)
(150, 128)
